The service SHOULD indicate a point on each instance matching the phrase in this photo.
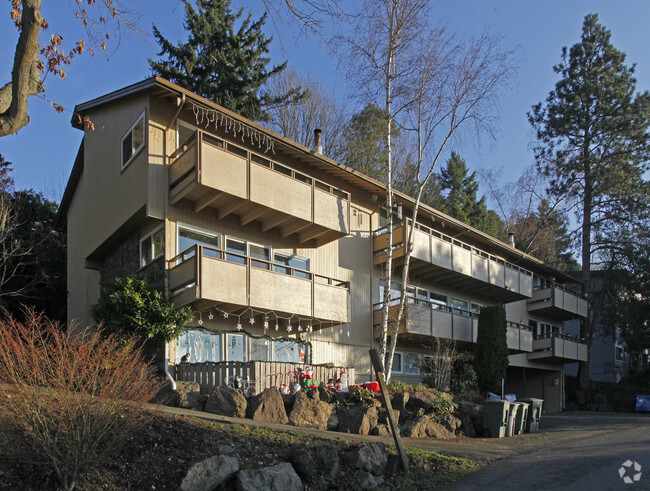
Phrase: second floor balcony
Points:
(560, 347)
(422, 319)
(212, 172)
(205, 276)
(558, 303)
(437, 257)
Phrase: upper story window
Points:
(133, 141)
(188, 237)
(152, 246)
(284, 262)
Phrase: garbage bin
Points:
(522, 417)
(495, 418)
(534, 414)
(512, 417)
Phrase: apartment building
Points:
(280, 251)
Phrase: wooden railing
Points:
(256, 375)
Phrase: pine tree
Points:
(461, 200)
(491, 351)
(220, 61)
(593, 143)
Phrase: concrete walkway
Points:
(572, 451)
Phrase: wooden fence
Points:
(256, 375)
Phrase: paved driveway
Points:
(574, 451)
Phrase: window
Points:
(260, 256)
(397, 362)
(412, 363)
(152, 246)
(189, 237)
(289, 351)
(460, 307)
(475, 308)
(184, 132)
(260, 348)
(198, 347)
(235, 347)
(133, 141)
(238, 248)
(620, 353)
(284, 262)
(438, 301)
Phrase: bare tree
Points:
(99, 19)
(317, 109)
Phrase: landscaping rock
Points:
(372, 457)
(367, 480)
(358, 419)
(381, 430)
(469, 415)
(209, 473)
(225, 450)
(326, 395)
(399, 401)
(310, 413)
(317, 466)
(227, 402)
(188, 396)
(268, 407)
(421, 399)
(280, 477)
(428, 425)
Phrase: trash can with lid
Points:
(534, 414)
(495, 418)
(522, 417)
(512, 417)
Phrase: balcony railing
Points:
(469, 267)
(216, 276)
(560, 347)
(426, 318)
(558, 302)
(209, 171)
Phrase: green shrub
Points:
(441, 406)
(131, 306)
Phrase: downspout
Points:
(181, 104)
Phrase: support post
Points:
(378, 365)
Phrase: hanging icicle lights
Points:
(303, 324)
(206, 116)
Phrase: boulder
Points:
(367, 480)
(188, 396)
(372, 457)
(280, 477)
(427, 425)
(209, 473)
(399, 401)
(421, 399)
(358, 419)
(310, 413)
(318, 466)
(469, 415)
(326, 395)
(381, 430)
(227, 402)
(268, 407)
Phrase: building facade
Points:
(280, 251)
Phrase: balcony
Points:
(210, 172)
(204, 276)
(558, 302)
(423, 319)
(437, 257)
(559, 347)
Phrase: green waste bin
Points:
(522, 417)
(534, 414)
(495, 418)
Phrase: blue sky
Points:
(43, 152)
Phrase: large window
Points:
(198, 347)
(260, 256)
(133, 141)
(460, 307)
(411, 363)
(284, 262)
(188, 237)
(152, 246)
(236, 250)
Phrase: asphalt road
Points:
(576, 451)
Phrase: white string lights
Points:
(206, 116)
(303, 325)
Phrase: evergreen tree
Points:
(461, 199)
(220, 61)
(593, 143)
(491, 351)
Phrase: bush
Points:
(131, 306)
(74, 399)
(491, 350)
(441, 406)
